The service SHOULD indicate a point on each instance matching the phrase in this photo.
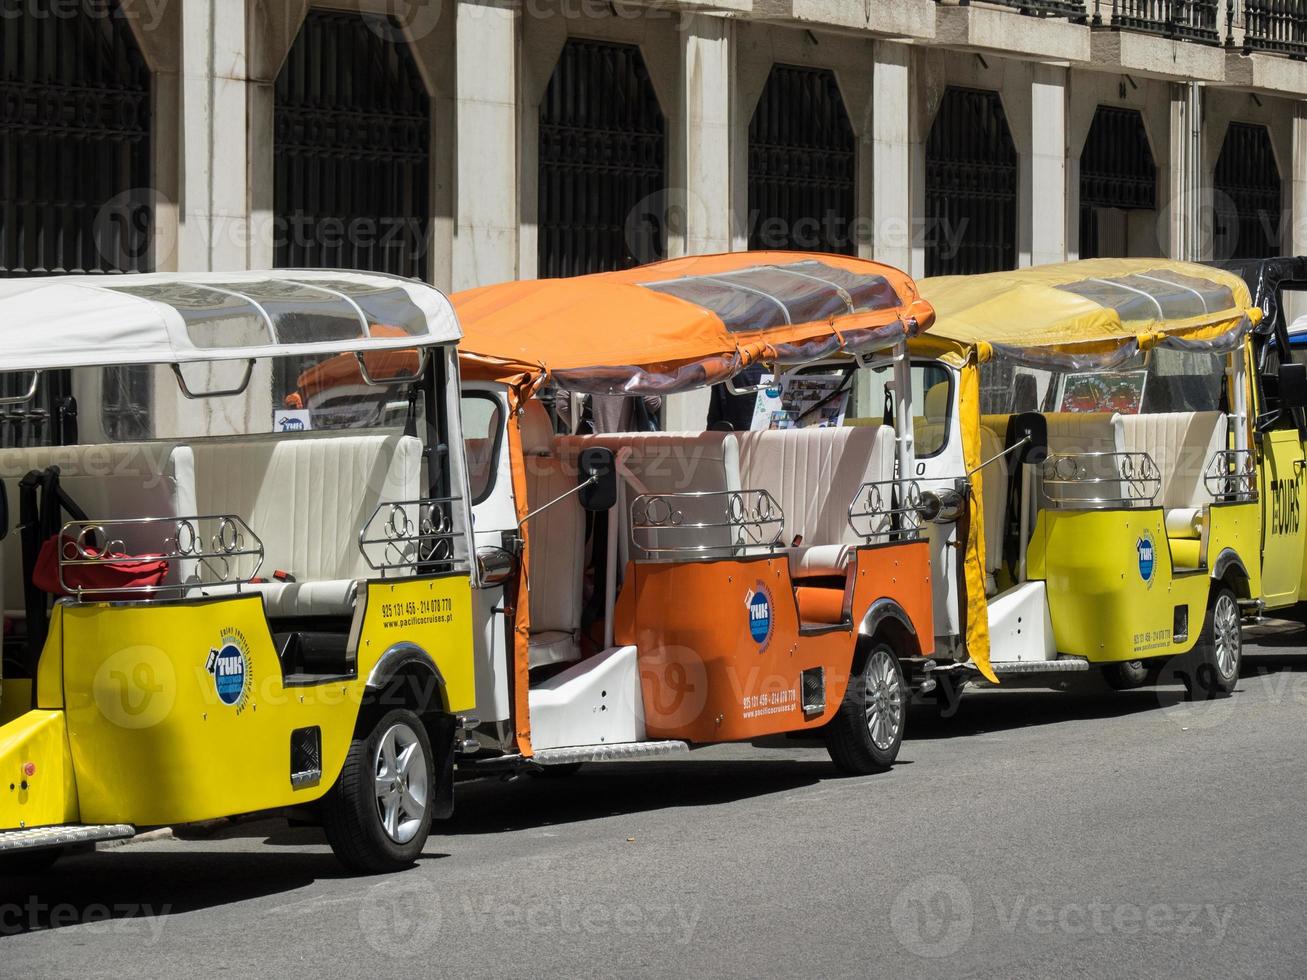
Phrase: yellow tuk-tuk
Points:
(275, 617)
(1087, 434)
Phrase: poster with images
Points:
(1103, 391)
(801, 401)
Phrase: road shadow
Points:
(601, 790)
(138, 886)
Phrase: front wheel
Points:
(1213, 664)
(865, 734)
(1126, 675)
(378, 815)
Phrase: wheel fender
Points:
(886, 613)
(420, 682)
(1229, 565)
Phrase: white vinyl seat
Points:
(556, 546)
(1090, 436)
(993, 480)
(115, 482)
(307, 496)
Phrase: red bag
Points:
(118, 571)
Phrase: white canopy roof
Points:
(179, 318)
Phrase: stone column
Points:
(486, 209)
(1048, 151)
(213, 203)
(891, 155)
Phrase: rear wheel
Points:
(867, 730)
(1212, 667)
(378, 815)
(1126, 675)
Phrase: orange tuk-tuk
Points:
(647, 592)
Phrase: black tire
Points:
(29, 862)
(867, 730)
(363, 838)
(1126, 675)
(1211, 668)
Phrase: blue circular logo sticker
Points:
(1147, 557)
(229, 666)
(760, 614)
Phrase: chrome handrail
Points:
(411, 533)
(214, 544)
(1231, 475)
(1134, 474)
(876, 511)
(751, 519)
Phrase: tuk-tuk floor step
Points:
(24, 840)
(1062, 665)
(608, 752)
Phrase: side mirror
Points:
(1292, 386)
(1031, 427)
(597, 476)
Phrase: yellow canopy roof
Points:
(1095, 305)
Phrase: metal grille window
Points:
(74, 141)
(1116, 171)
(1248, 195)
(352, 147)
(603, 171)
(971, 186)
(74, 170)
(802, 164)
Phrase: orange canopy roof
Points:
(685, 323)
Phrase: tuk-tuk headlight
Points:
(940, 506)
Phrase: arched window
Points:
(1117, 177)
(352, 149)
(802, 164)
(603, 164)
(1248, 195)
(971, 186)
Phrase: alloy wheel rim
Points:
(400, 779)
(1228, 639)
(884, 699)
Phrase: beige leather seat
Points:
(1084, 434)
(815, 474)
(1181, 444)
(122, 482)
(670, 462)
(993, 481)
(555, 559)
(307, 496)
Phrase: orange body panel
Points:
(719, 646)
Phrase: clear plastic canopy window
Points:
(221, 315)
(1155, 295)
(765, 297)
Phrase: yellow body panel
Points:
(49, 795)
(153, 741)
(1282, 488)
(1102, 604)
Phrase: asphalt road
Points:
(1034, 834)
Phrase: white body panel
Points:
(1020, 627)
(596, 701)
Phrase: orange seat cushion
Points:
(820, 605)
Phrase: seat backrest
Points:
(671, 463)
(308, 495)
(1083, 434)
(111, 482)
(556, 535)
(815, 474)
(1181, 444)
